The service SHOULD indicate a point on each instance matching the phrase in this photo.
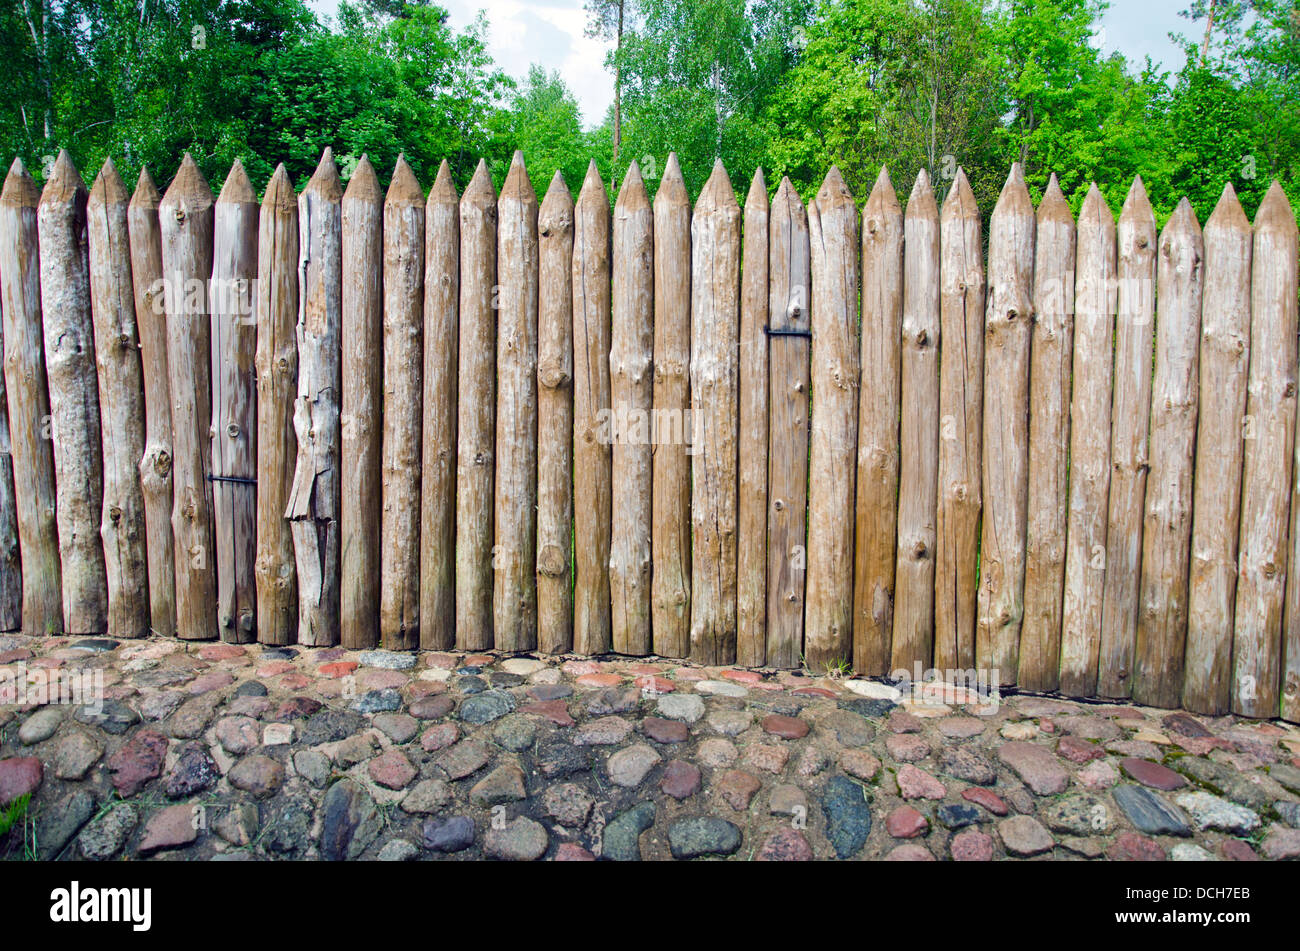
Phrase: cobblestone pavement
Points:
(235, 752)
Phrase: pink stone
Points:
(860, 764)
(376, 679)
(14, 656)
(785, 845)
(654, 684)
(441, 661)
(479, 660)
(600, 680)
(814, 692)
(1152, 774)
(439, 737)
(901, 722)
(392, 769)
(787, 728)
(339, 668)
(579, 668)
(914, 783)
(1131, 847)
(680, 780)
(554, 710)
(766, 685)
(49, 662)
(1077, 750)
(138, 761)
(294, 681)
(769, 758)
(689, 674)
(911, 852)
(737, 788)
(741, 676)
(986, 798)
(20, 776)
(274, 668)
(906, 823)
(971, 845)
(221, 651)
(170, 828)
(1236, 850)
(907, 747)
(213, 681)
(573, 852)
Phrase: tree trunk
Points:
(751, 548)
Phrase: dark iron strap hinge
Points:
(787, 333)
(241, 480)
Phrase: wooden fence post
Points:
(751, 546)
(29, 404)
(631, 368)
(313, 505)
(476, 412)
(276, 362)
(555, 419)
(879, 405)
(1008, 318)
(789, 288)
(1216, 506)
(671, 503)
(592, 452)
(833, 236)
(234, 405)
(715, 328)
(441, 358)
(1051, 350)
(74, 397)
(1167, 525)
(11, 575)
(919, 430)
(1260, 663)
(362, 411)
(156, 463)
(399, 586)
(515, 554)
(121, 394)
(1130, 416)
(1085, 540)
(961, 428)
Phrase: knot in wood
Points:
(1270, 570)
(778, 504)
(162, 462)
(232, 430)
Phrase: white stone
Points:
(1187, 852)
(720, 688)
(523, 666)
(277, 734)
(1211, 812)
(681, 706)
(873, 690)
(437, 674)
(548, 675)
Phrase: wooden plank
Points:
(121, 394)
(715, 320)
(515, 555)
(29, 404)
(11, 575)
(961, 428)
(670, 576)
(879, 406)
(919, 430)
(1051, 350)
(399, 573)
(276, 362)
(1263, 668)
(1130, 416)
(313, 505)
(156, 463)
(592, 452)
(751, 547)
(789, 265)
(74, 397)
(362, 409)
(1085, 543)
(441, 360)
(833, 238)
(555, 419)
(234, 405)
(631, 377)
(476, 413)
(1167, 525)
(1216, 505)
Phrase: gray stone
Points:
(1150, 813)
(1078, 814)
(289, 829)
(1025, 836)
(59, 823)
(850, 728)
(848, 815)
(238, 824)
(398, 727)
(568, 804)
(873, 707)
(330, 726)
(398, 850)
(349, 821)
(454, 835)
(958, 815)
(388, 660)
(379, 701)
(1211, 812)
(429, 795)
(628, 767)
(688, 707)
(730, 722)
(964, 763)
(105, 836)
(504, 784)
(621, 840)
(75, 754)
(516, 732)
(519, 840)
(312, 766)
(1287, 775)
(95, 645)
(613, 700)
(1289, 812)
(1189, 852)
(192, 772)
(40, 725)
(1036, 766)
(112, 716)
(191, 718)
(463, 759)
(707, 835)
(486, 707)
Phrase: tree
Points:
(543, 119)
(606, 19)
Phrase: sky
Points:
(550, 33)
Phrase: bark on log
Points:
(715, 327)
(1131, 408)
(961, 428)
(592, 452)
(1051, 349)
(631, 368)
(1008, 318)
(121, 394)
(399, 601)
(789, 287)
(313, 505)
(29, 404)
(74, 398)
(441, 359)
(276, 363)
(751, 547)
(1085, 553)
(234, 405)
(476, 413)
(555, 419)
(833, 236)
(914, 585)
(1260, 664)
(156, 463)
(671, 503)
(362, 421)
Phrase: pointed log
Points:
(631, 368)
(276, 363)
(74, 398)
(789, 287)
(362, 419)
(156, 463)
(121, 394)
(399, 580)
(715, 327)
(833, 236)
(441, 359)
(555, 419)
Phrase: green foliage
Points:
(542, 119)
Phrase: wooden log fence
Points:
(780, 435)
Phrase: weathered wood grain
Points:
(751, 545)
